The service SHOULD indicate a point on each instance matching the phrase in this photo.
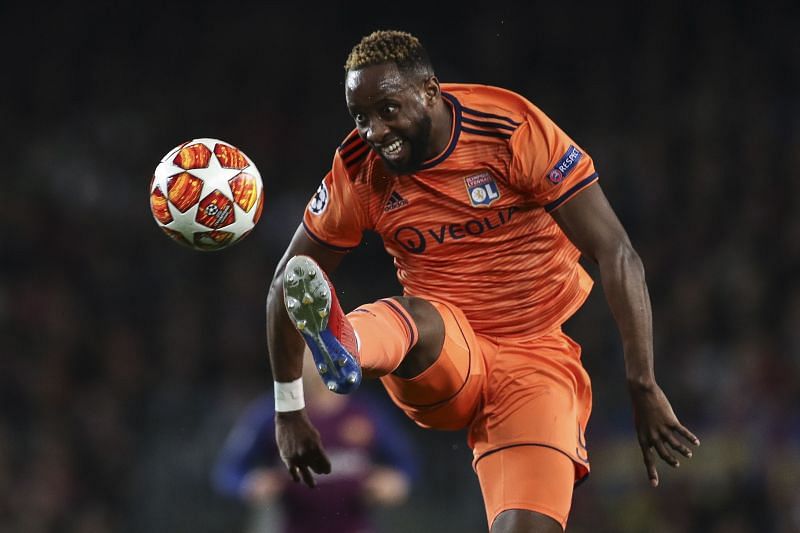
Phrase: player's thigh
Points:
(521, 521)
(536, 393)
(534, 481)
(431, 330)
(446, 394)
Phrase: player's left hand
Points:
(658, 429)
(300, 446)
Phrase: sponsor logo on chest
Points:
(416, 240)
(482, 190)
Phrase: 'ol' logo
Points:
(481, 189)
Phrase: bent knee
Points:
(430, 328)
(427, 319)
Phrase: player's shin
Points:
(386, 333)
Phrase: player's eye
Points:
(360, 118)
(390, 109)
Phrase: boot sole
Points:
(308, 303)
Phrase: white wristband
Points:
(289, 396)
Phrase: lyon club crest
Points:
(481, 189)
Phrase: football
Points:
(206, 194)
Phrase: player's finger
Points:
(676, 445)
(293, 471)
(308, 479)
(650, 464)
(664, 452)
(688, 435)
(320, 463)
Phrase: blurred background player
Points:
(372, 458)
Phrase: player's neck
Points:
(441, 128)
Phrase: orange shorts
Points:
(528, 477)
(511, 393)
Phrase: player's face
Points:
(392, 113)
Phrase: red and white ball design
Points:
(206, 194)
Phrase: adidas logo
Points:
(395, 201)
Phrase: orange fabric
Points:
(525, 400)
(472, 227)
(508, 391)
(532, 478)
(447, 394)
(386, 333)
(537, 392)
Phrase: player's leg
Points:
(528, 438)
(424, 329)
(440, 382)
(526, 489)
(402, 335)
(521, 521)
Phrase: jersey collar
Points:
(454, 133)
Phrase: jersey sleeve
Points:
(392, 445)
(546, 163)
(334, 216)
(250, 442)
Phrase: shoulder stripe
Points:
(350, 139)
(570, 193)
(483, 114)
(497, 134)
(354, 152)
(325, 244)
(351, 147)
(487, 124)
(356, 157)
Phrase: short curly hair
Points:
(390, 46)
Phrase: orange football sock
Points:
(385, 333)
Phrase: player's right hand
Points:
(658, 430)
(300, 446)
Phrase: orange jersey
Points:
(472, 226)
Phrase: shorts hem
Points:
(582, 466)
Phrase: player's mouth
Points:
(394, 151)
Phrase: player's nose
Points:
(377, 131)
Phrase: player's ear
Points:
(432, 90)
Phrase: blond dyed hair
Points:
(390, 46)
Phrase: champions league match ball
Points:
(206, 194)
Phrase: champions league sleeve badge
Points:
(481, 189)
(320, 200)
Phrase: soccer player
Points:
(486, 206)
(372, 461)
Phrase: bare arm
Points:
(298, 441)
(591, 224)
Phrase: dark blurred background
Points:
(125, 358)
